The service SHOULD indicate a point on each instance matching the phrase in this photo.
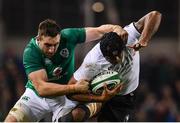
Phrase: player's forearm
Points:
(86, 98)
(96, 33)
(52, 89)
(151, 25)
(109, 28)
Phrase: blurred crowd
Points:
(158, 93)
(12, 81)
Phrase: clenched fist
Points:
(121, 32)
(82, 86)
(138, 46)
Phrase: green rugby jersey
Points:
(60, 67)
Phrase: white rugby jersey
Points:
(94, 63)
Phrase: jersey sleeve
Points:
(32, 61)
(133, 34)
(74, 35)
(91, 65)
(85, 71)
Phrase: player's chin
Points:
(49, 55)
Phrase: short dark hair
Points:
(48, 27)
(111, 44)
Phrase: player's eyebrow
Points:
(49, 44)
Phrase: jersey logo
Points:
(57, 71)
(48, 61)
(64, 53)
(26, 98)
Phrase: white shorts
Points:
(31, 107)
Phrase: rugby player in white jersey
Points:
(112, 53)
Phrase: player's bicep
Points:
(150, 17)
(38, 77)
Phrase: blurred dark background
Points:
(22, 17)
(159, 87)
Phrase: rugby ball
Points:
(111, 78)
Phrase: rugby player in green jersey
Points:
(49, 64)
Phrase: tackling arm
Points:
(94, 33)
(148, 25)
(44, 88)
(89, 97)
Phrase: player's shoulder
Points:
(95, 53)
(133, 33)
(29, 46)
(31, 49)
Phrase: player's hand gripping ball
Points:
(111, 78)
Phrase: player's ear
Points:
(38, 38)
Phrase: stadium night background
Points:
(159, 89)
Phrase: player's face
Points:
(49, 45)
(117, 58)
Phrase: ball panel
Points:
(99, 87)
(109, 81)
(105, 76)
(111, 78)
